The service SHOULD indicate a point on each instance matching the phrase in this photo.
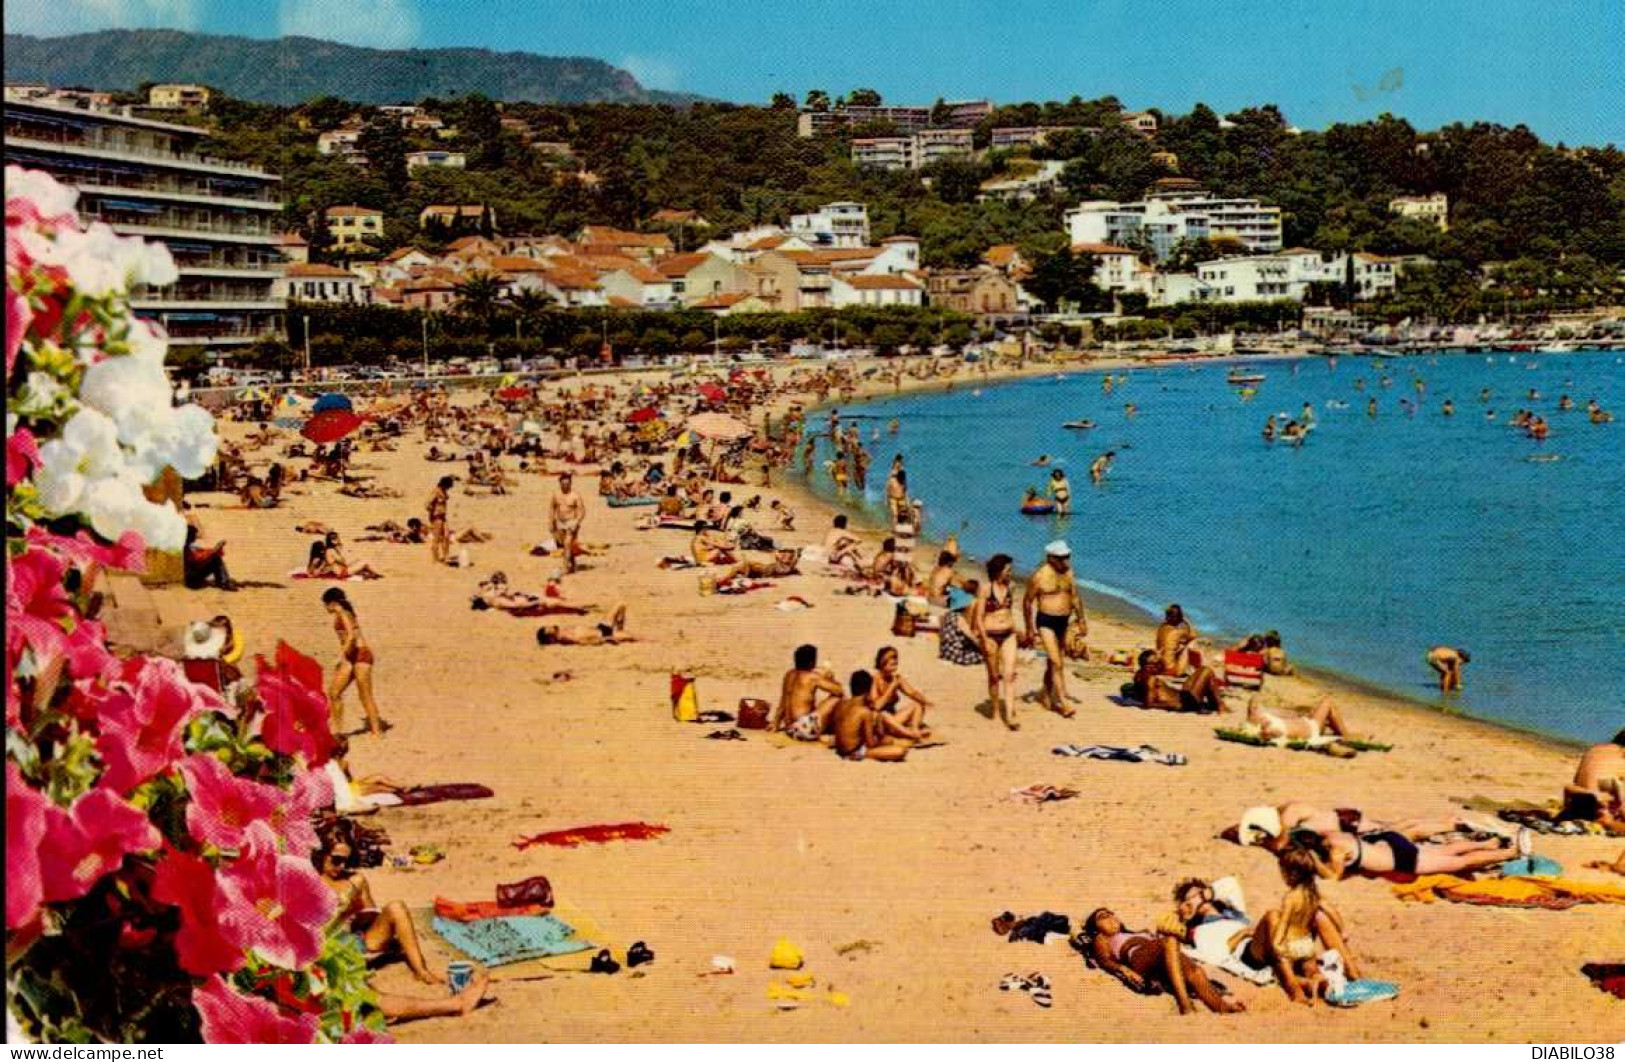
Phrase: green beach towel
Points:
(1245, 737)
(503, 940)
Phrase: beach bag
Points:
(532, 891)
(903, 622)
(752, 713)
(1076, 643)
(685, 699)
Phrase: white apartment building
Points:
(933, 145)
(1162, 220)
(1141, 122)
(898, 254)
(906, 119)
(1171, 289)
(1289, 274)
(454, 160)
(835, 225)
(315, 282)
(1431, 209)
(1014, 136)
(884, 152)
(1023, 187)
(338, 142)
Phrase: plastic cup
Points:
(458, 976)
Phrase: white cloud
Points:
(368, 23)
(652, 71)
(55, 18)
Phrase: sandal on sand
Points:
(1012, 982)
(1038, 987)
(604, 963)
(638, 954)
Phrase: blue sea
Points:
(1376, 539)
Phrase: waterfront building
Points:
(316, 282)
(148, 178)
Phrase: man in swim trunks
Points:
(841, 545)
(1448, 662)
(566, 513)
(864, 733)
(801, 712)
(1050, 605)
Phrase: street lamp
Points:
(307, 347)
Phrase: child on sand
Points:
(863, 733)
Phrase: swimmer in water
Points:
(1484, 395)
(1449, 408)
(1100, 466)
(1060, 492)
(1130, 409)
(1371, 408)
(1043, 459)
(894, 426)
(1489, 414)
(1359, 383)
(1269, 429)
(1565, 403)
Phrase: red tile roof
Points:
(353, 211)
(680, 265)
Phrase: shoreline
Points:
(1124, 612)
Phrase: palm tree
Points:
(477, 295)
(528, 304)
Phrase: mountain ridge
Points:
(291, 70)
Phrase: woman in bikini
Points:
(993, 623)
(891, 687)
(1343, 855)
(326, 561)
(1149, 963)
(355, 663)
(377, 931)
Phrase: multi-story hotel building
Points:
(146, 178)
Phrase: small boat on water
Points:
(1564, 347)
(1237, 377)
(1079, 425)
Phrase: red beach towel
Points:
(625, 831)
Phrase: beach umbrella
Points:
(712, 393)
(644, 415)
(718, 426)
(331, 425)
(331, 401)
(513, 394)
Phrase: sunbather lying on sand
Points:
(1272, 827)
(1296, 724)
(1149, 963)
(714, 547)
(1597, 793)
(1343, 855)
(414, 533)
(778, 564)
(496, 593)
(612, 633)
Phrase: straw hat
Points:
(202, 641)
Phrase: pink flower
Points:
(89, 841)
(22, 454)
(141, 729)
(27, 811)
(189, 883)
(129, 553)
(223, 805)
(18, 316)
(361, 1034)
(229, 1017)
(274, 904)
(291, 818)
(296, 720)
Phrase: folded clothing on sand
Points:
(435, 794)
(1143, 754)
(510, 938)
(1552, 894)
(1608, 976)
(474, 910)
(627, 503)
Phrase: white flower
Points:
(184, 440)
(41, 396)
(87, 451)
(146, 341)
(116, 504)
(50, 197)
(133, 391)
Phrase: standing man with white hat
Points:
(1052, 604)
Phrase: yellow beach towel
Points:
(1551, 893)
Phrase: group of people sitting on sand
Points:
(879, 715)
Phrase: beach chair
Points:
(1243, 670)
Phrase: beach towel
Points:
(1251, 736)
(1551, 894)
(1364, 990)
(419, 795)
(509, 938)
(1243, 670)
(1608, 976)
(600, 834)
(474, 910)
(1143, 754)
(1212, 940)
(627, 503)
(300, 573)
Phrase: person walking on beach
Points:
(1448, 662)
(1051, 605)
(355, 664)
(993, 624)
(566, 513)
(439, 536)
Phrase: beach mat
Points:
(587, 929)
(1246, 737)
(1550, 894)
(505, 940)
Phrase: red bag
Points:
(753, 713)
(532, 891)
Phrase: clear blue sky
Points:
(1554, 65)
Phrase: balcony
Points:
(168, 231)
(90, 145)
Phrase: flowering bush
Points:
(158, 876)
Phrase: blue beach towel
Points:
(1362, 991)
(1534, 866)
(499, 941)
(626, 503)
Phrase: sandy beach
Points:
(885, 875)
